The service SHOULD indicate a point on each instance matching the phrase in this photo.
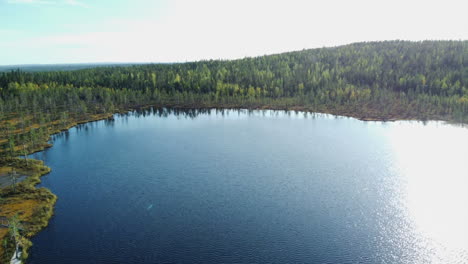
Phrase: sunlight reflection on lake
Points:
(435, 187)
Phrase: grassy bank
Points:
(33, 206)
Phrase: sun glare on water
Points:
(432, 160)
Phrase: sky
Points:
(87, 31)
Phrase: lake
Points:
(208, 186)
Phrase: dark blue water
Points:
(256, 187)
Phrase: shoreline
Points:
(31, 205)
(35, 179)
(379, 117)
(43, 199)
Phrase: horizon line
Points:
(221, 59)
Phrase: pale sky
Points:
(81, 31)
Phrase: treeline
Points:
(380, 80)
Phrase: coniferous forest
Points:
(371, 81)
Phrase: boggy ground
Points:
(33, 206)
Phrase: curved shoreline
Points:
(33, 206)
(27, 191)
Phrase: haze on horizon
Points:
(85, 31)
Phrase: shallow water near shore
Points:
(207, 186)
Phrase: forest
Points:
(370, 80)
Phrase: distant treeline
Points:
(60, 67)
(381, 80)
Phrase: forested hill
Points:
(430, 67)
(378, 80)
